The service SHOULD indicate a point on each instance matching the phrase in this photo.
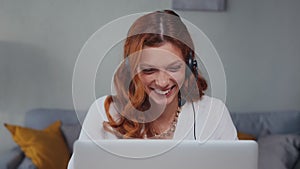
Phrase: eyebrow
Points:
(171, 64)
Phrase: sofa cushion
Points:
(297, 165)
(263, 123)
(41, 118)
(71, 134)
(278, 151)
(46, 148)
(16, 157)
(27, 164)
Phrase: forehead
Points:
(160, 56)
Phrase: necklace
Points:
(168, 133)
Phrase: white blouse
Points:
(213, 122)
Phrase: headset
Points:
(193, 66)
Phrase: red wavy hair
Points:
(151, 30)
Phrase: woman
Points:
(159, 91)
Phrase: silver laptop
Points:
(165, 154)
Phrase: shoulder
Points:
(216, 119)
(209, 99)
(206, 105)
(211, 103)
(96, 109)
(99, 101)
(98, 104)
(92, 126)
(212, 110)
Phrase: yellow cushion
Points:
(46, 148)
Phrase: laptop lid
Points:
(165, 154)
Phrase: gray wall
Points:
(39, 43)
(258, 42)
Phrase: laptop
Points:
(165, 154)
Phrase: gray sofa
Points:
(277, 135)
(40, 119)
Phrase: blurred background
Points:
(258, 42)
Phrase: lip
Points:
(165, 92)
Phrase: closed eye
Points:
(149, 71)
(174, 68)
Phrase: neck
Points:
(168, 114)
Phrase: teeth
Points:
(162, 92)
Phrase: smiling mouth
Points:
(163, 92)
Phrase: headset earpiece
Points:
(192, 65)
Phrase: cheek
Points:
(179, 78)
(147, 79)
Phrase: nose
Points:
(162, 79)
